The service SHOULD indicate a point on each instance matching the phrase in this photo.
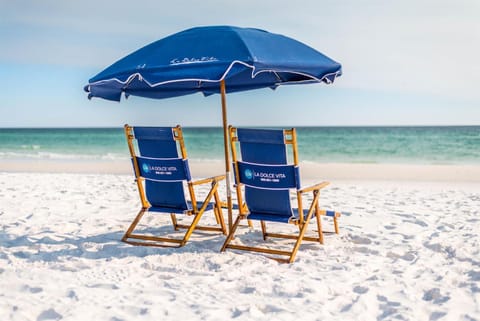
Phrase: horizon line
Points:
(253, 126)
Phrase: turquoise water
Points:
(417, 145)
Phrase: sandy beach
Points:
(408, 249)
(309, 170)
(384, 99)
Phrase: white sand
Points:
(408, 251)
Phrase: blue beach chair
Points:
(162, 176)
(264, 179)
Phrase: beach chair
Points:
(265, 182)
(162, 176)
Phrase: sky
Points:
(409, 62)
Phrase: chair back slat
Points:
(275, 177)
(262, 146)
(163, 170)
(265, 172)
(161, 166)
(154, 133)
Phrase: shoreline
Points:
(309, 171)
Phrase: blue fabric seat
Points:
(163, 209)
(287, 218)
(163, 178)
(267, 175)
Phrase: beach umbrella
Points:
(212, 60)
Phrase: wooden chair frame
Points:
(301, 222)
(147, 240)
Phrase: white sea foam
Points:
(406, 145)
(25, 156)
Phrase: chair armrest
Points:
(209, 180)
(315, 187)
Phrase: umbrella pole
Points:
(227, 158)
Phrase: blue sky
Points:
(410, 62)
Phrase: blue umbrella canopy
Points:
(199, 59)
(213, 59)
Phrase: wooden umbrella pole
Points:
(227, 157)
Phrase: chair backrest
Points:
(157, 161)
(263, 169)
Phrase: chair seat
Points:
(269, 217)
(283, 218)
(278, 217)
(176, 210)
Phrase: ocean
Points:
(405, 145)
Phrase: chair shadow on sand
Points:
(99, 246)
(106, 246)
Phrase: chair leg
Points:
(335, 223)
(319, 221)
(305, 225)
(146, 239)
(215, 213)
(231, 234)
(303, 229)
(291, 254)
(264, 230)
(219, 213)
(157, 241)
(319, 227)
(191, 228)
(215, 210)
(222, 221)
(174, 222)
(198, 216)
(132, 226)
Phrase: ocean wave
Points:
(30, 147)
(364, 145)
(61, 156)
(31, 155)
